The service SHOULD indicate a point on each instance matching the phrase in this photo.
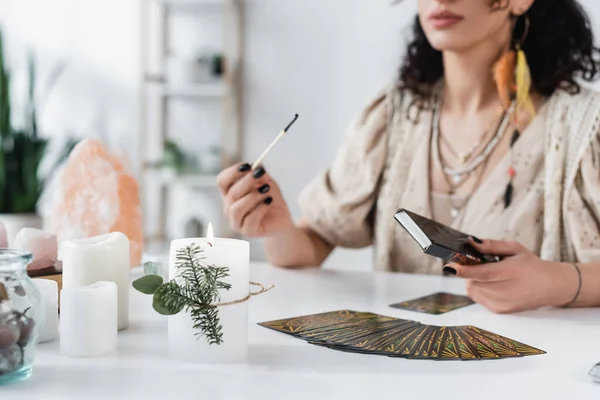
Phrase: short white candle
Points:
(100, 258)
(183, 344)
(88, 320)
(49, 291)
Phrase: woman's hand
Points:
(521, 281)
(252, 201)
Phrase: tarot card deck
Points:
(360, 332)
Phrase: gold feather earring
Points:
(513, 81)
(504, 75)
(524, 102)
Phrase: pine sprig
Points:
(206, 322)
(194, 290)
(200, 284)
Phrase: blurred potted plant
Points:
(177, 162)
(173, 161)
(21, 184)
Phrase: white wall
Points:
(98, 39)
(320, 58)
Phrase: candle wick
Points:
(210, 244)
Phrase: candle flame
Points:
(210, 236)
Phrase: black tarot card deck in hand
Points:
(369, 333)
(440, 240)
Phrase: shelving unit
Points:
(193, 181)
(190, 4)
(157, 93)
(195, 91)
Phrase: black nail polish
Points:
(264, 189)
(244, 167)
(449, 270)
(268, 200)
(476, 240)
(258, 172)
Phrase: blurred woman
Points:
(486, 130)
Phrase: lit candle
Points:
(49, 291)
(183, 343)
(100, 258)
(88, 320)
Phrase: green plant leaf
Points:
(5, 100)
(31, 112)
(151, 268)
(148, 284)
(168, 299)
(22, 150)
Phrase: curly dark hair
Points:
(559, 46)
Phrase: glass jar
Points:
(21, 316)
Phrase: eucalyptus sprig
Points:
(195, 290)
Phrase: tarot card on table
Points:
(437, 303)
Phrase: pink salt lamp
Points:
(97, 195)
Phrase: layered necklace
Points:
(455, 177)
(463, 156)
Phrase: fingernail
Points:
(268, 200)
(449, 270)
(258, 172)
(244, 167)
(476, 240)
(264, 189)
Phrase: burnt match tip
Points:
(291, 123)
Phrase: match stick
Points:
(273, 143)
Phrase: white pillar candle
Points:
(88, 320)
(183, 344)
(100, 258)
(49, 291)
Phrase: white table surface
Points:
(282, 367)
